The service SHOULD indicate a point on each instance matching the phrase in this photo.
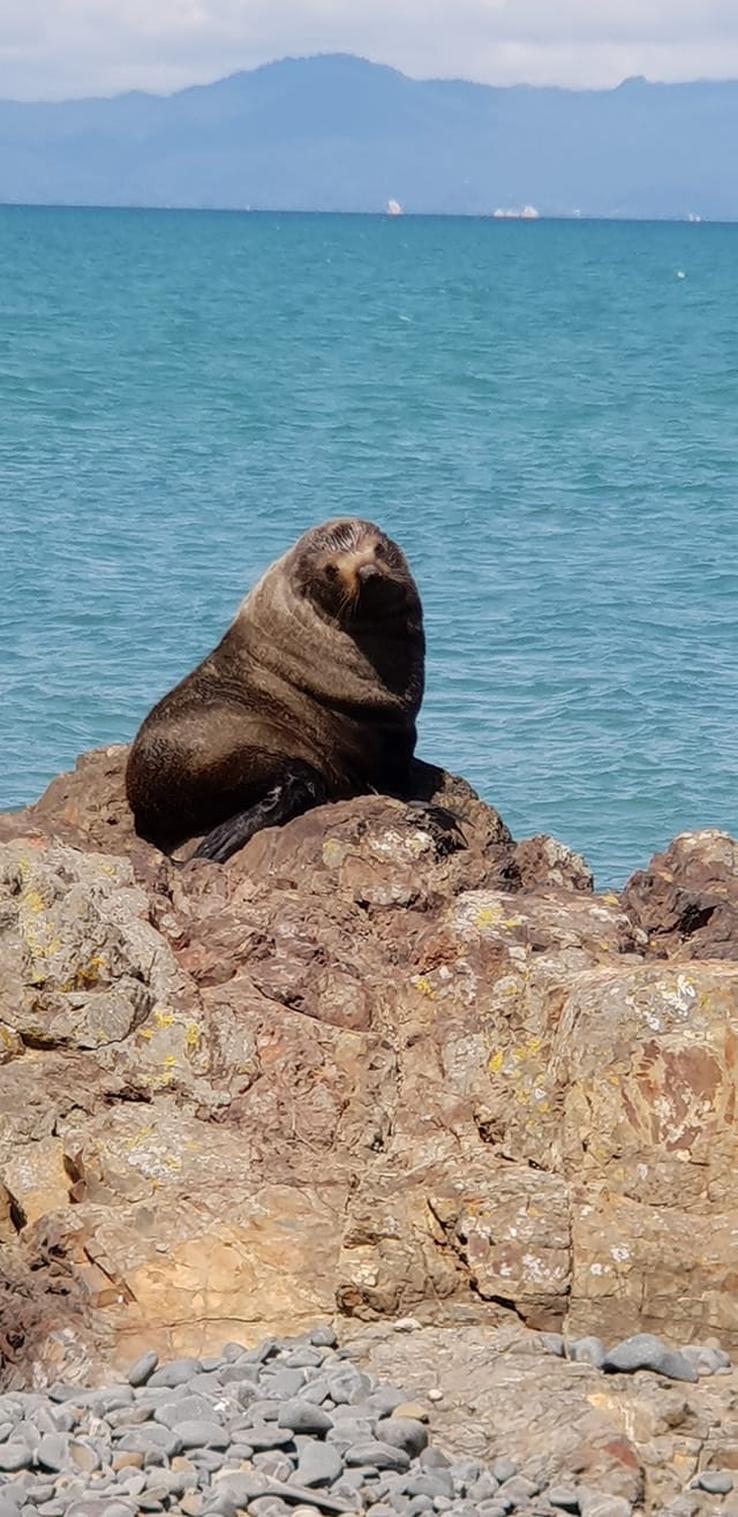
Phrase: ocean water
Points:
(545, 416)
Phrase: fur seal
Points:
(312, 695)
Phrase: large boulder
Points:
(382, 1062)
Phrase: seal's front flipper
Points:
(299, 789)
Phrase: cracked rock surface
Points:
(370, 1068)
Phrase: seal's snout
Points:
(357, 567)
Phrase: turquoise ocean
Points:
(545, 415)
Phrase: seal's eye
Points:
(331, 571)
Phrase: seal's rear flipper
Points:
(299, 789)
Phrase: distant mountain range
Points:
(336, 133)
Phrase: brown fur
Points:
(323, 665)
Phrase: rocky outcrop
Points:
(385, 1061)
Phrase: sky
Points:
(51, 49)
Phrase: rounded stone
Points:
(52, 1452)
(588, 1351)
(403, 1433)
(566, 1497)
(15, 1456)
(319, 1464)
(304, 1417)
(324, 1336)
(177, 1372)
(142, 1368)
(504, 1469)
(196, 1433)
(717, 1482)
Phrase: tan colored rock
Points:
(382, 1064)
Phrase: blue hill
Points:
(338, 133)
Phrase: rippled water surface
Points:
(545, 416)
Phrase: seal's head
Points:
(354, 572)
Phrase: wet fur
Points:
(311, 695)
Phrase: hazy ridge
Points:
(337, 133)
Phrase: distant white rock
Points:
(394, 208)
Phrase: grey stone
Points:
(68, 1392)
(150, 1440)
(262, 1410)
(324, 1336)
(599, 1504)
(316, 1391)
(418, 1504)
(283, 1384)
(384, 1398)
(403, 1433)
(519, 1489)
(319, 1464)
(267, 1435)
(275, 1466)
(564, 1496)
(177, 1372)
(676, 1366)
(706, 1361)
(504, 1469)
(8, 1507)
(588, 1351)
(302, 1417)
(434, 1459)
(197, 1433)
(717, 1482)
(304, 1358)
(431, 1483)
(553, 1343)
(142, 1368)
(15, 1456)
(348, 1386)
(484, 1488)
(232, 1351)
(52, 1452)
(644, 1351)
(239, 1373)
(186, 1409)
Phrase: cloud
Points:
(53, 48)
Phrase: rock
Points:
(687, 898)
(178, 1372)
(403, 1433)
(414, 1410)
(303, 1417)
(15, 1456)
(52, 1452)
(717, 1482)
(588, 1351)
(565, 1497)
(644, 1351)
(196, 1433)
(383, 1456)
(504, 1470)
(143, 1369)
(324, 1336)
(319, 1464)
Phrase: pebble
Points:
(15, 1456)
(304, 1417)
(381, 1455)
(644, 1351)
(566, 1497)
(403, 1433)
(504, 1469)
(318, 1464)
(588, 1351)
(717, 1482)
(289, 1426)
(324, 1336)
(178, 1372)
(553, 1343)
(198, 1434)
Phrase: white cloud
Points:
(52, 48)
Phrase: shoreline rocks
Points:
(370, 1070)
